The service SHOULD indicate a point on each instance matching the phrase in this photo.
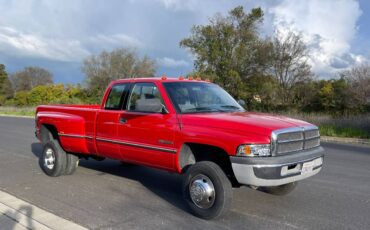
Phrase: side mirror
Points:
(241, 102)
(164, 109)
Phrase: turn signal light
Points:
(164, 77)
(246, 149)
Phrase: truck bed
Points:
(72, 121)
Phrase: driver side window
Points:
(145, 97)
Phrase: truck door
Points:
(107, 121)
(146, 132)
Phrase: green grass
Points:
(17, 111)
(334, 131)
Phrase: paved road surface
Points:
(106, 195)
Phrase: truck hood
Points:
(241, 122)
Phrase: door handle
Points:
(122, 120)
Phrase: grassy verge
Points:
(17, 111)
(353, 127)
(333, 131)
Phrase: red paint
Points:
(169, 131)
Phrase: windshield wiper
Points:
(231, 107)
(201, 109)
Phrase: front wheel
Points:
(207, 190)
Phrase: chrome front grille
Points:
(285, 141)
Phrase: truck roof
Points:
(161, 79)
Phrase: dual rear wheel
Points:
(56, 162)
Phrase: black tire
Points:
(71, 164)
(56, 164)
(280, 190)
(126, 164)
(46, 135)
(218, 203)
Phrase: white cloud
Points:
(180, 4)
(172, 63)
(17, 43)
(117, 40)
(328, 27)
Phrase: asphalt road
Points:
(107, 195)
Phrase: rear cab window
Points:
(116, 97)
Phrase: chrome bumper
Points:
(279, 170)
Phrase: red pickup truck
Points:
(190, 127)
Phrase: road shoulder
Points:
(18, 214)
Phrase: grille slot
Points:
(290, 147)
(295, 139)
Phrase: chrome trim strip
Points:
(136, 145)
(74, 136)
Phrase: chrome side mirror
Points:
(241, 102)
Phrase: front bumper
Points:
(277, 170)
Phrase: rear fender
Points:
(70, 128)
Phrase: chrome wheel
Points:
(202, 192)
(49, 159)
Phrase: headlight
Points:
(254, 150)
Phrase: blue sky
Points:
(58, 35)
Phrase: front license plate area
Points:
(307, 167)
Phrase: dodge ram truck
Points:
(185, 126)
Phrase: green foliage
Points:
(6, 91)
(334, 96)
(49, 94)
(20, 98)
(229, 49)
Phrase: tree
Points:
(359, 79)
(6, 91)
(289, 63)
(31, 77)
(101, 69)
(229, 49)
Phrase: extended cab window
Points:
(116, 97)
(145, 97)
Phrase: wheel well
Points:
(48, 132)
(192, 152)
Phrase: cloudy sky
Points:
(58, 35)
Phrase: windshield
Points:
(200, 97)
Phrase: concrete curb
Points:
(345, 140)
(18, 214)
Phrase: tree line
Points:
(271, 74)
